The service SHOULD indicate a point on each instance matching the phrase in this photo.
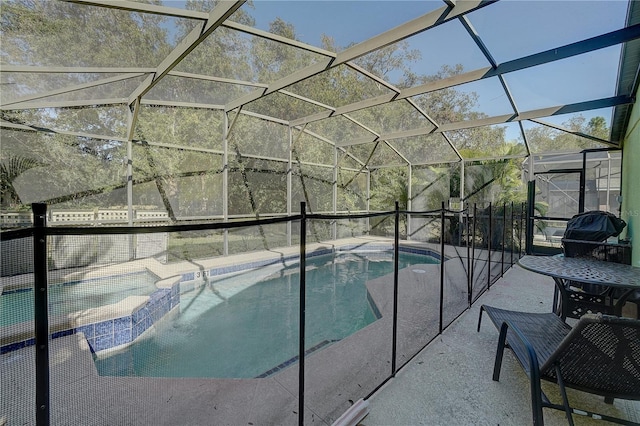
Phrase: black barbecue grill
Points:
(587, 233)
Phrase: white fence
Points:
(95, 217)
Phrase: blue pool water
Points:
(222, 332)
(17, 306)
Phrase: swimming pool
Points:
(247, 325)
(17, 306)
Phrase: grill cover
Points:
(593, 226)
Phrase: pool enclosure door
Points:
(564, 185)
(558, 195)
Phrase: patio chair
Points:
(599, 355)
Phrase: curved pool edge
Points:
(106, 331)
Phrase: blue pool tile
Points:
(122, 336)
(121, 324)
(140, 328)
(87, 330)
(12, 347)
(62, 333)
(17, 290)
(103, 342)
(104, 328)
(140, 315)
(156, 315)
(152, 306)
(166, 307)
(136, 331)
(189, 276)
(164, 299)
(175, 302)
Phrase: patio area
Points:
(449, 382)
(161, 160)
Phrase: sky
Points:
(510, 29)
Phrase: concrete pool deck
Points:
(449, 382)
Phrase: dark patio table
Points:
(617, 281)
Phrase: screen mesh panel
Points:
(263, 237)
(67, 168)
(22, 87)
(252, 136)
(193, 245)
(183, 183)
(348, 324)
(180, 127)
(314, 185)
(419, 292)
(494, 181)
(431, 185)
(17, 354)
(257, 186)
(310, 149)
(352, 228)
(106, 121)
(456, 268)
(352, 190)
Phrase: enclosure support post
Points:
(462, 193)
(608, 179)
(41, 318)
(225, 183)
(504, 225)
(489, 238)
(289, 182)
(473, 243)
(520, 230)
(528, 235)
(334, 201)
(511, 237)
(469, 286)
(132, 254)
(396, 242)
(583, 183)
(303, 291)
(409, 203)
(368, 204)
(132, 116)
(441, 265)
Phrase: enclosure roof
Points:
(387, 82)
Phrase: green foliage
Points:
(177, 159)
(389, 185)
(43, 32)
(547, 139)
(10, 168)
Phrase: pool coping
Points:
(105, 327)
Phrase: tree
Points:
(10, 168)
(547, 139)
(177, 160)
